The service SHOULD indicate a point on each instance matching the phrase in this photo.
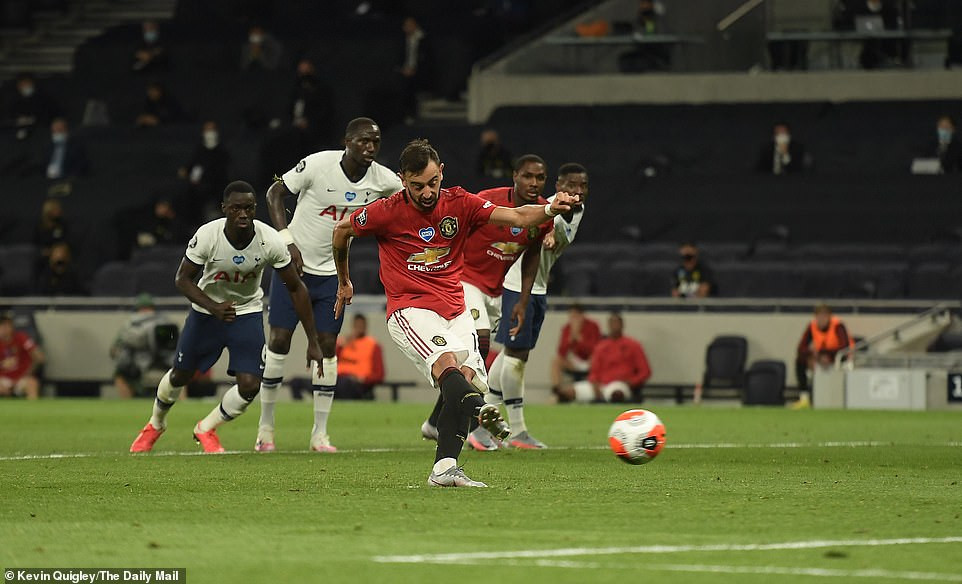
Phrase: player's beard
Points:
(421, 205)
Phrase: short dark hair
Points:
(238, 186)
(576, 307)
(571, 168)
(525, 159)
(356, 125)
(360, 316)
(416, 156)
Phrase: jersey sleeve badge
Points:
(361, 218)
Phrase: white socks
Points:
(167, 394)
(494, 395)
(512, 388)
(444, 464)
(323, 386)
(229, 408)
(271, 380)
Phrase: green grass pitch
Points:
(738, 495)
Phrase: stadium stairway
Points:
(50, 47)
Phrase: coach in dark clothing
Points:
(781, 155)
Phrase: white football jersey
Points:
(325, 196)
(564, 235)
(231, 273)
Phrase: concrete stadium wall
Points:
(77, 342)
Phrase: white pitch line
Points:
(671, 445)
(723, 569)
(658, 549)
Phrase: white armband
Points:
(548, 211)
(286, 236)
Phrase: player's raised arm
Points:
(531, 215)
(341, 244)
(186, 282)
(278, 212)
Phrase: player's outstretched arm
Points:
(341, 243)
(531, 215)
(186, 282)
(275, 207)
(302, 305)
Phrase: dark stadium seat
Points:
(156, 279)
(725, 363)
(365, 277)
(622, 278)
(764, 384)
(162, 254)
(114, 279)
(579, 278)
(17, 268)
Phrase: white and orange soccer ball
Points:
(637, 436)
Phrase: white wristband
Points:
(548, 211)
(286, 236)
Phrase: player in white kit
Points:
(329, 185)
(230, 255)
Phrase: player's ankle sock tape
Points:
(167, 394)
(233, 404)
(273, 368)
(329, 377)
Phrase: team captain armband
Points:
(286, 236)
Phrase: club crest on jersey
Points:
(361, 218)
(439, 340)
(475, 313)
(430, 255)
(349, 196)
(516, 230)
(449, 227)
(426, 233)
(193, 242)
(239, 259)
(533, 232)
(301, 166)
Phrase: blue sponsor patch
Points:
(426, 233)
(350, 196)
(516, 230)
(239, 260)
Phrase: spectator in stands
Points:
(206, 172)
(67, 156)
(782, 155)
(145, 343)
(163, 227)
(875, 52)
(822, 340)
(360, 365)
(31, 107)
(693, 278)
(494, 160)
(160, 108)
(19, 359)
(579, 336)
(51, 228)
(947, 149)
(58, 276)
(261, 51)
(646, 57)
(414, 67)
(311, 107)
(150, 55)
(619, 368)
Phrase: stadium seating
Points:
(724, 364)
(17, 265)
(764, 384)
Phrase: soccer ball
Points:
(637, 436)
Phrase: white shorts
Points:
(584, 390)
(484, 309)
(423, 336)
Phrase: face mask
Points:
(151, 36)
(59, 138)
(945, 135)
(687, 257)
(256, 38)
(26, 90)
(211, 139)
(782, 139)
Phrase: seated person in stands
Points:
(782, 155)
(946, 148)
(51, 228)
(494, 160)
(360, 365)
(261, 51)
(58, 276)
(619, 368)
(163, 227)
(646, 57)
(151, 54)
(579, 336)
(19, 359)
(206, 172)
(875, 52)
(692, 278)
(66, 155)
(823, 338)
(31, 107)
(145, 343)
(160, 108)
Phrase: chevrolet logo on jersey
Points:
(430, 255)
(508, 247)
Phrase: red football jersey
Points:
(422, 253)
(493, 248)
(15, 358)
